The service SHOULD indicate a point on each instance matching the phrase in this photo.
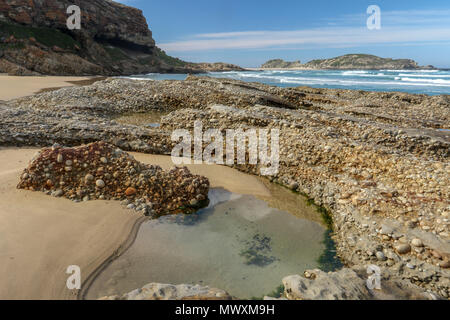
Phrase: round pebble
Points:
(403, 248)
(100, 183)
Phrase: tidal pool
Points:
(238, 243)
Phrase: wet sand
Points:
(40, 236)
(13, 87)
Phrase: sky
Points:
(250, 32)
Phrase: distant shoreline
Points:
(316, 69)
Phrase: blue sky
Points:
(249, 32)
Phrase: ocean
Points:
(430, 82)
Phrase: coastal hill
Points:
(279, 63)
(114, 39)
(349, 62)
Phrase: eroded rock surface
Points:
(350, 284)
(157, 291)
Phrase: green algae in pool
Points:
(238, 244)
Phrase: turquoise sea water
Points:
(431, 82)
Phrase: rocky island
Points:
(374, 166)
(349, 62)
(114, 39)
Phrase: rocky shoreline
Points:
(113, 39)
(378, 162)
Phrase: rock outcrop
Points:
(351, 284)
(349, 62)
(158, 291)
(114, 39)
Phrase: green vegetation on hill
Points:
(361, 61)
(46, 36)
(171, 61)
(115, 53)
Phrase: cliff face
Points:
(114, 39)
(349, 62)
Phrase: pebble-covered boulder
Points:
(101, 171)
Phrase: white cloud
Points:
(397, 27)
(325, 37)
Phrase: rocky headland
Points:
(348, 62)
(114, 39)
(375, 162)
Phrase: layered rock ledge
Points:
(377, 161)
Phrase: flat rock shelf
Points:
(238, 243)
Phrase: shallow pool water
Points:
(239, 244)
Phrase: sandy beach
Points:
(40, 236)
(12, 87)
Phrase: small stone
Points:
(89, 177)
(131, 206)
(68, 169)
(104, 160)
(380, 256)
(57, 193)
(445, 264)
(403, 248)
(410, 266)
(130, 191)
(193, 202)
(100, 183)
(69, 163)
(293, 186)
(417, 243)
(436, 254)
(86, 198)
(59, 158)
